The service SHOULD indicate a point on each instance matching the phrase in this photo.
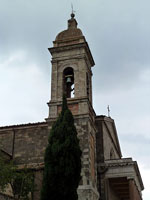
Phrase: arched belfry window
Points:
(68, 84)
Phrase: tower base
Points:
(87, 192)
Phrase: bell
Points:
(68, 80)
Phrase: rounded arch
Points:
(68, 70)
(67, 65)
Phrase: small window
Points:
(68, 77)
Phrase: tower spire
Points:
(72, 23)
(73, 12)
(108, 108)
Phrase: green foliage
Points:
(21, 181)
(6, 173)
(22, 184)
(62, 159)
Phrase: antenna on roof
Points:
(108, 111)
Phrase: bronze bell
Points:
(68, 80)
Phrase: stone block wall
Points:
(134, 193)
(107, 140)
(88, 188)
(26, 143)
(38, 177)
(30, 145)
(6, 140)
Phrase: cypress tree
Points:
(62, 159)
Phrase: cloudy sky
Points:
(118, 33)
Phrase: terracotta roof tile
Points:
(21, 125)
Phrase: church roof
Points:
(72, 30)
(71, 38)
(69, 33)
(72, 35)
(22, 125)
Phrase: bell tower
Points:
(71, 74)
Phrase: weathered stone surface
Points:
(26, 143)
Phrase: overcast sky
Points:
(118, 33)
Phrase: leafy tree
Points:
(22, 184)
(6, 172)
(21, 181)
(62, 159)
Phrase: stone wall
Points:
(26, 143)
(109, 145)
(6, 140)
(106, 148)
(88, 188)
(134, 193)
(107, 141)
(38, 177)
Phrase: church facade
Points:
(105, 174)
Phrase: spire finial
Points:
(72, 13)
(108, 111)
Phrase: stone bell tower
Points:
(71, 74)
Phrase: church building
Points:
(105, 174)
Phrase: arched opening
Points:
(68, 85)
